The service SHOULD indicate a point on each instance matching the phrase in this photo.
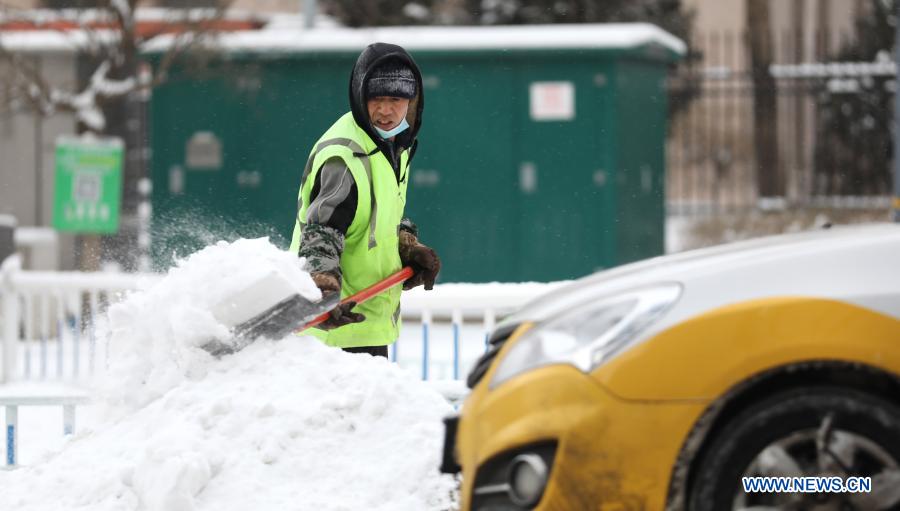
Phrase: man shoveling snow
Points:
(287, 424)
(350, 226)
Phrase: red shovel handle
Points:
(369, 292)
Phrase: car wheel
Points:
(815, 431)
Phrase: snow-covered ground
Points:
(48, 371)
(290, 424)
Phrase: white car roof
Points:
(857, 264)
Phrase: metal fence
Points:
(49, 333)
(49, 322)
(12, 403)
(830, 125)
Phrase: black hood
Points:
(373, 55)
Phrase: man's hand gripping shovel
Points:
(251, 315)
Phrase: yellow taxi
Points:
(662, 384)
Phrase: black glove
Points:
(422, 259)
(340, 315)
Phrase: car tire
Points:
(783, 422)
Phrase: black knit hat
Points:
(391, 78)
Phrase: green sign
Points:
(88, 187)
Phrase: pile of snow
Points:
(154, 335)
(289, 424)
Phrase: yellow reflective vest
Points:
(371, 244)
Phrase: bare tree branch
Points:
(92, 44)
(110, 34)
(26, 79)
(193, 33)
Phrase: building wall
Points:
(20, 4)
(711, 152)
(27, 145)
(714, 18)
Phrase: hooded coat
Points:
(351, 201)
(368, 60)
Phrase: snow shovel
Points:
(292, 314)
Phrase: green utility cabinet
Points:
(541, 155)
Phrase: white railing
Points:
(49, 320)
(48, 332)
(445, 313)
(12, 403)
(57, 312)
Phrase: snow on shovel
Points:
(251, 314)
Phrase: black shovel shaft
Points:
(377, 288)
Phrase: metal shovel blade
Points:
(276, 323)
(269, 306)
(249, 317)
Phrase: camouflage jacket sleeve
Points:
(331, 210)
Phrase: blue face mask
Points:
(390, 133)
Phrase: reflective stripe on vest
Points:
(364, 158)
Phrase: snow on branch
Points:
(108, 34)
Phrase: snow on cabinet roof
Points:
(518, 37)
(531, 37)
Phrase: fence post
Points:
(60, 330)
(490, 320)
(426, 325)
(12, 433)
(68, 419)
(9, 309)
(10, 322)
(457, 319)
